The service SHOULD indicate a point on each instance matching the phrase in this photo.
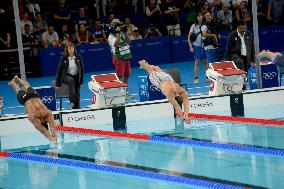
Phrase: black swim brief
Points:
(23, 96)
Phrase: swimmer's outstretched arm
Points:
(52, 134)
(37, 124)
(145, 65)
(14, 85)
(171, 97)
(185, 102)
(267, 54)
(148, 67)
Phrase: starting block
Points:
(107, 90)
(225, 78)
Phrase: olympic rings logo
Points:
(154, 88)
(47, 99)
(269, 75)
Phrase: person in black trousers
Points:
(71, 72)
(240, 47)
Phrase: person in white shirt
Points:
(33, 7)
(196, 46)
(25, 20)
(240, 47)
(50, 38)
(71, 72)
(210, 34)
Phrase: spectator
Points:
(64, 36)
(190, 9)
(206, 8)
(153, 32)
(25, 20)
(129, 26)
(97, 33)
(225, 17)
(5, 32)
(61, 15)
(31, 40)
(199, 5)
(135, 34)
(214, 6)
(82, 19)
(153, 13)
(170, 10)
(50, 38)
(82, 35)
(119, 43)
(210, 33)
(275, 11)
(111, 4)
(262, 11)
(236, 4)
(33, 8)
(243, 14)
(39, 25)
(110, 18)
(228, 2)
(71, 72)
(240, 47)
(28, 38)
(196, 46)
(5, 40)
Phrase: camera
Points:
(210, 41)
(99, 34)
(122, 28)
(117, 28)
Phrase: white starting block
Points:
(225, 78)
(107, 90)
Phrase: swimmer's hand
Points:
(186, 118)
(47, 130)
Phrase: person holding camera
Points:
(240, 47)
(153, 31)
(210, 33)
(121, 55)
(196, 46)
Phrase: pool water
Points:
(217, 165)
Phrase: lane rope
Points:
(237, 119)
(173, 140)
(118, 170)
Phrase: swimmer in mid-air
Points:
(38, 114)
(276, 57)
(169, 88)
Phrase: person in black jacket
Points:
(71, 72)
(240, 47)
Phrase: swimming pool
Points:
(204, 154)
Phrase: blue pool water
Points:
(217, 165)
